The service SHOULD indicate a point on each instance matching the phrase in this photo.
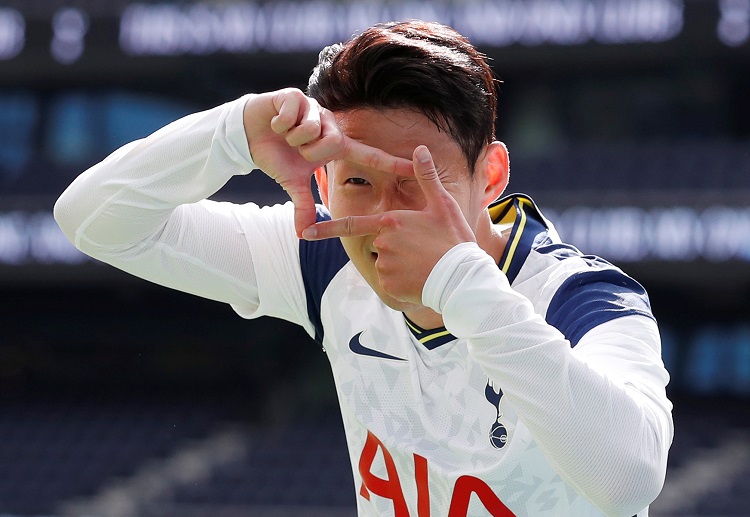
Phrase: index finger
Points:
(349, 226)
(375, 158)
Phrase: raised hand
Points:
(290, 135)
(409, 242)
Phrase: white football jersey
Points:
(429, 433)
(544, 395)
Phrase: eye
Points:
(408, 185)
(356, 181)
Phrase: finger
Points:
(329, 144)
(304, 217)
(350, 226)
(426, 174)
(309, 127)
(304, 208)
(291, 107)
(375, 158)
(334, 144)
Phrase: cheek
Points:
(362, 258)
(354, 248)
(412, 199)
(470, 205)
(338, 204)
(350, 201)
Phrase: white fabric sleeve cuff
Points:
(462, 259)
(236, 136)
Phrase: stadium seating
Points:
(52, 454)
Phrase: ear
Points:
(495, 167)
(321, 178)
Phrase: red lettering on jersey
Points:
(389, 488)
(467, 485)
(423, 488)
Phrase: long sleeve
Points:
(144, 210)
(599, 410)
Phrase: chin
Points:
(397, 305)
(371, 277)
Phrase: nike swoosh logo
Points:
(358, 348)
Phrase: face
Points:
(357, 190)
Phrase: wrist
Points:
(236, 132)
(460, 261)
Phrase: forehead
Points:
(399, 132)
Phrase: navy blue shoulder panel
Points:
(590, 298)
(319, 262)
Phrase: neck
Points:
(492, 241)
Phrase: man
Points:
(482, 366)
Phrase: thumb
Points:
(305, 213)
(426, 173)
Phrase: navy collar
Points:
(432, 338)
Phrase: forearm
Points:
(143, 208)
(131, 194)
(604, 437)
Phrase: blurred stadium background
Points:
(628, 121)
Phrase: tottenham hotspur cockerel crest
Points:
(498, 433)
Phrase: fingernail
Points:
(309, 233)
(423, 154)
